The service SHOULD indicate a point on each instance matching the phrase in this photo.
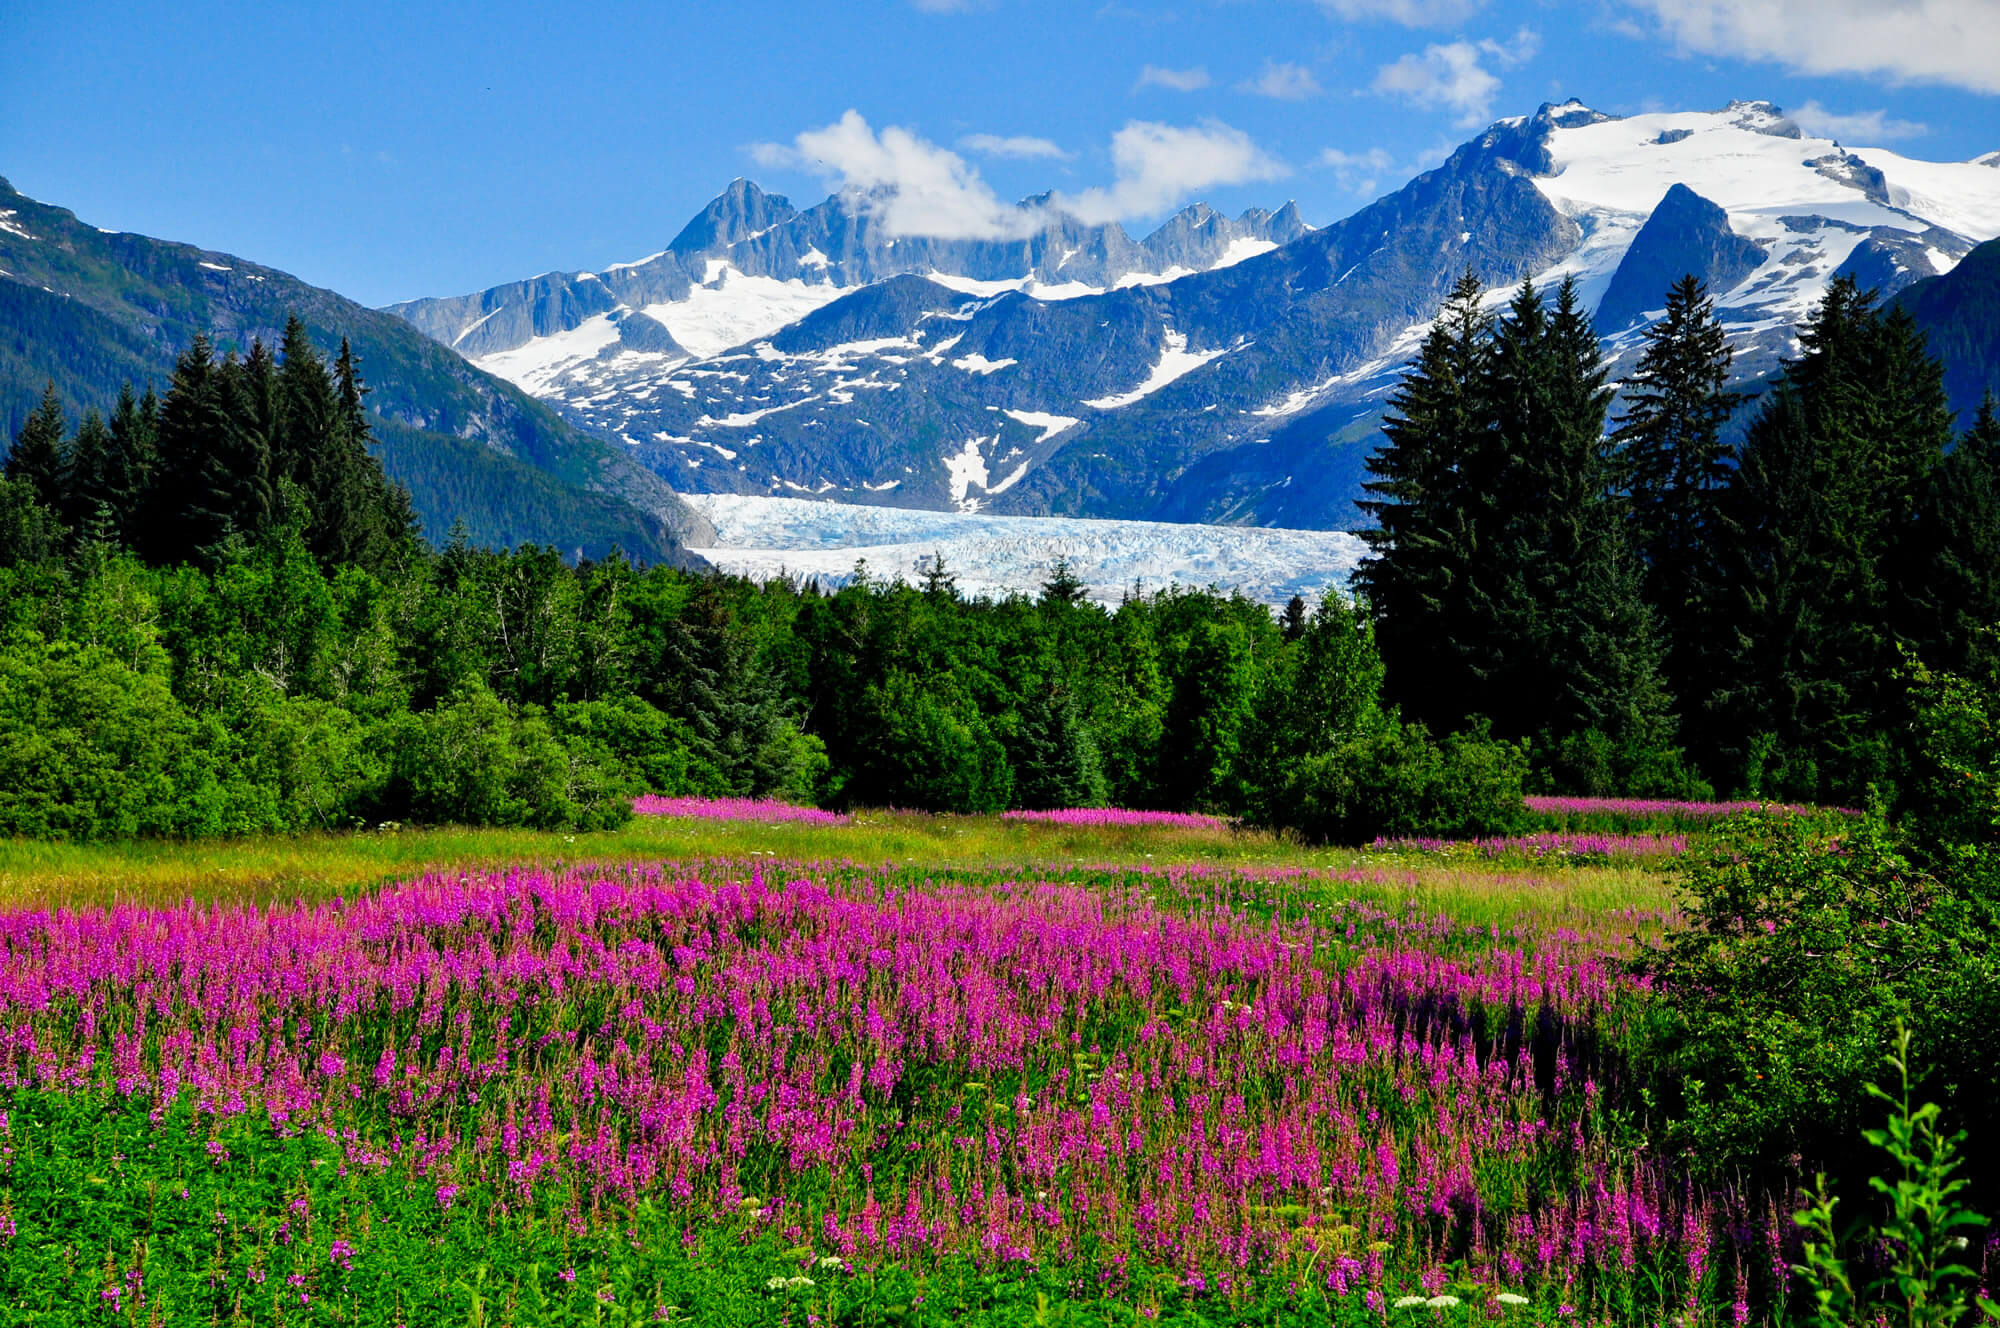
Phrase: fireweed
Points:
(1347, 1104)
(733, 809)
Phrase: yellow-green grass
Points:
(306, 867)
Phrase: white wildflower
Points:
(795, 1283)
(833, 1261)
(1442, 1302)
(1407, 1302)
(1511, 1298)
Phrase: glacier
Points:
(764, 537)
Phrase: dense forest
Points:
(215, 617)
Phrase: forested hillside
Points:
(92, 312)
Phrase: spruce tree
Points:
(1056, 761)
(1429, 508)
(1672, 464)
(91, 509)
(1557, 640)
(1956, 599)
(242, 463)
(188, 507)
(1832, 571)
(39, 458)
(1771, 594)
(1292, 622)
(128, 469)
(389, 521)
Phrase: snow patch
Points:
(1050, 425)
(11, 226)
(1176, 360)
(535, 366)
(729, 309)
(212, 267)
(1242, 247)
(964, 469)
(979, 364)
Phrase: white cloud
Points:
(1157, 166)
(1409, 13)
(1180, 80)
(1016, 145)
(1858, 127)
(1285, 82)
(1956, 42)
(1358, 172)
(912, 186)
(1454, 75)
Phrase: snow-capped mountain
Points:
(750, 264)
(1218, 370)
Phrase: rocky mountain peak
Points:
(739, 212)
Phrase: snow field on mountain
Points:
(765, 537)
(535, 367)
(1176, 361)
(1611, 175)
(733, 309)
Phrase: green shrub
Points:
(474, 760)
(1395, 780)
(1801, 954)
(93, 748)
(653, 747)
(933, 750)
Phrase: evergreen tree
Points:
(1558, 640)
(39, 458)
(92, 504)
(1672, 465)
(240, 466)
(308, 412)
(188, 505)
(368, 520)
(1831, 558)
(128, 470)
(1056, 761)
(1429, 508)
(1292, 622)
(939, 583)
(1956, 596)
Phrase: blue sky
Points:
(391, 150)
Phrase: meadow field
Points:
(888, 1069)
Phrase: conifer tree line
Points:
(214, 620)
(238, 445)
(1653, 604)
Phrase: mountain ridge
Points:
(1213, 370)
(91, 309)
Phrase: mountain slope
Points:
(1219, 370)
(91, 310)
(1960, 315)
